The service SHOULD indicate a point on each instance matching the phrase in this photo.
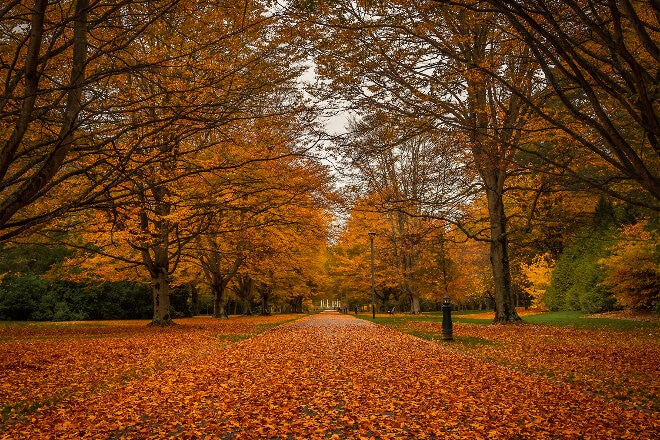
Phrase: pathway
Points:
(334, 376)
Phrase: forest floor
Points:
(321, 376)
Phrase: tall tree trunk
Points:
(490, 157)
(265, 293)
(296, 304)
(414, 305)
(411, 293)
(505, 310)
(218, 280)
(156, 260)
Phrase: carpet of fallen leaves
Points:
(42, 364)
(620, 365)
(322, 376)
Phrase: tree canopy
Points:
(174, 143)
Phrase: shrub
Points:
(576, 281)
(633, 268)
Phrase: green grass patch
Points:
(26, 407)
(558, 319)
(580, 321)
(468, 342)
(402, 324)
(235, 337)
(424, 334)
(401, 321)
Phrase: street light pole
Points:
(373, 277)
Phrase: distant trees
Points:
(547, 101)
(403, 177)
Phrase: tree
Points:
(273, 190)
(173, 129)
(632, 270)
(397, 58)
(601, 60)
(404, 174)
(23, 98)
(576, 280)
(398, 281)
(61, 63)
(245, 290)
(537, 274)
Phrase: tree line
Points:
(502, 122)
(163, 142)
(171, 143)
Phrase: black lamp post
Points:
(447, 332)
(373, 277)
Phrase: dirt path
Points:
(334, 376)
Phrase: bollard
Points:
(446, 320)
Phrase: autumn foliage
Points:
(175, 143)
(44, 364)
(323, 376)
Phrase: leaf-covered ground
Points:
(619, 365)
(41, 364)
(619, 362)
(323, 376)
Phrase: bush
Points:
(26, 294)
(32, 298)
(576, 281)
(633, 268)
(20, 297)
(61, 312)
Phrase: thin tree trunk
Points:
(194, 295)
(265, 296)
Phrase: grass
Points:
(581, 321)
(571, 319)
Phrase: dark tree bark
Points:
(212, 264)
(161, 293)
(265, 293)
(218, 286)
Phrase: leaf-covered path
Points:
(334, 376)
